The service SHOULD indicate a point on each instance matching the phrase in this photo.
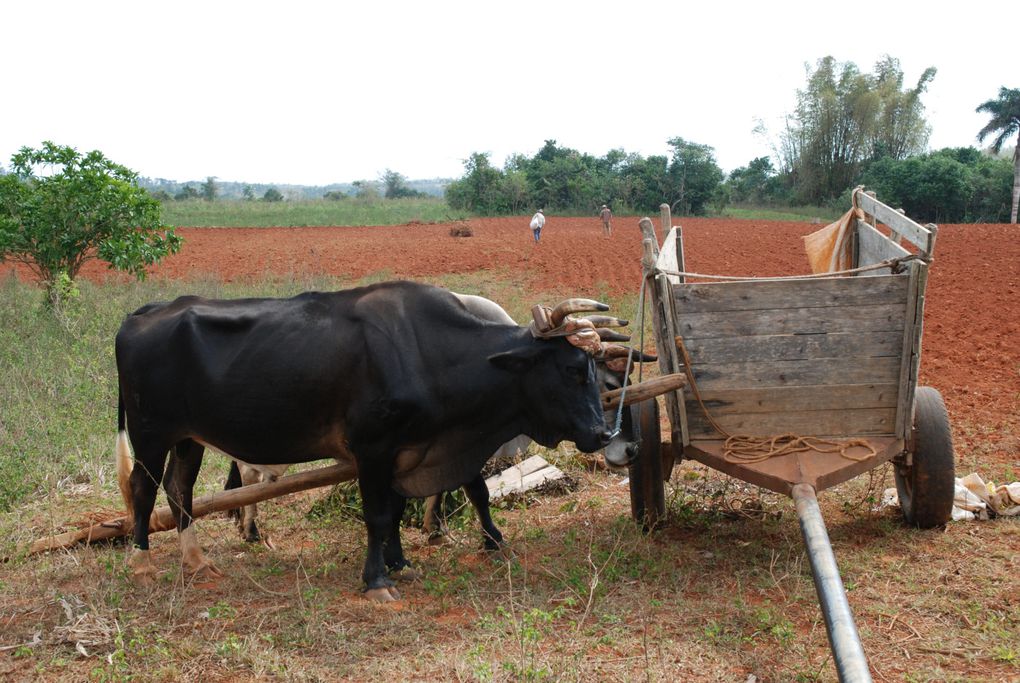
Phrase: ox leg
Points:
(378, 505)
(393, 552)
(179, 483)
(435, 525)
(144, 481)
(478, 493)
(246, 522)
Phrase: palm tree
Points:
(1005, 113)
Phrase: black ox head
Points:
(560, 389)
(560, 392)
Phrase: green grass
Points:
(348, 212)
(784, 213)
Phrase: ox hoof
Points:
(437, 539)
(205, 571)
(268, 542)
(406, 575)
(144, 577)
(143, 571)
(501, 554)
(382, 595)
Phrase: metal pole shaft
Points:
(851, 663)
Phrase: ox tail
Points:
(125, 462)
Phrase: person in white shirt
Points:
(537, 223)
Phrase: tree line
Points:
(848, 128)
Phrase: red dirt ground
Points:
(972, 315)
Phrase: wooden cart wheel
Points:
(926, 487)
(647, 488)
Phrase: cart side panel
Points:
(818, 357)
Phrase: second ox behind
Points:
(398, 378)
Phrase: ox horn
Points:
(611, 351)
(605, 321)
(606, 334)
(569, 306)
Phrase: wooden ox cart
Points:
(829, 361)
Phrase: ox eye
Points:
(577, 374)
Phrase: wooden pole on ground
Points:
(162, 519)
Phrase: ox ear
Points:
(518, 360)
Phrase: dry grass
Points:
(722, 592)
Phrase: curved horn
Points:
(569, 306)
(619, 351)
(614, 351)
(607, 334)
(606, 321)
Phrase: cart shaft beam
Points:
(851, 663)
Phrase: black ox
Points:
(610, 368)
(399, 378)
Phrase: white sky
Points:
(315, 93)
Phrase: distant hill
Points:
(227, 189)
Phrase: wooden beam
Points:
(162, 519)
(642, 391)
(920, 237)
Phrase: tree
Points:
(844, 119)
(187, 192)
(365, 189)
(60, 209)
(209, 189)
(1005, 122)
(272, 195)
(334, 195)
(248, 193)
(396, 186)
(694, 176)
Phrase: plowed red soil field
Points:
(972, 317)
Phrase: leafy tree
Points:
(272, 195)
(209, 189)
(396, 186)
(694, 176)
(187, 192)
(752, 183)
(365, 189)
(334, 195)
(60, 209)
(844, 119)
(479, 190)
(951, 185)
(248, 193)
(1005, 122)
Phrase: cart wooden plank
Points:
(706, 297)
(920, 237)
(874, 247)
(791, 321)
(827, 423)
(767, 348)
(796, 399)
(831, 371)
